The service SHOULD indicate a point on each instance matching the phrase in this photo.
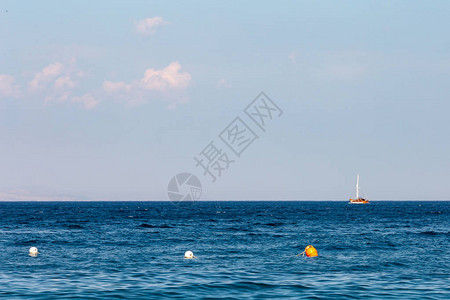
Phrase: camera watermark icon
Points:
(184, 187)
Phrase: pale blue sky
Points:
(109, 100)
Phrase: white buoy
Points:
(189, 255)
(33, 251)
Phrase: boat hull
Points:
(358, 201)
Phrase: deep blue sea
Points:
(135, 250)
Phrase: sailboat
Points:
(358, 200)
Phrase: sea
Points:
(243, 250)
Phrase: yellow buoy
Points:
(310, 251)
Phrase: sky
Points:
(109, 100)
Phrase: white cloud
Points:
(148, 26)
(168, 78)
(47, 75)
(8, 86)
(168, 82)
(87, 101)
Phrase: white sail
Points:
(357, 186)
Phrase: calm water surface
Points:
(134, 250)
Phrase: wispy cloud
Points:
(88, 101)
(113, 87)
(8, 87)
(57, 82)
(339, 66)
(64, 82)
(292, 57)
(345, 72)
(344, 66)
(223, 83)
(149, 26)
(54, 80)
